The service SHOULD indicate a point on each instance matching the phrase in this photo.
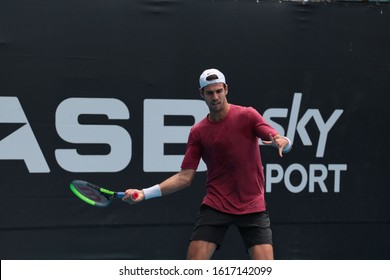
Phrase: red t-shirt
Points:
(230, 149)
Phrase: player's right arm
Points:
(177, 182)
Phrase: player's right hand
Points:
(133, 196)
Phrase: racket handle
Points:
(122, 194)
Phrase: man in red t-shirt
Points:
(227, 141)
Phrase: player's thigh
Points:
(255, 230)
(211, 225)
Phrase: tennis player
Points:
(227, 140)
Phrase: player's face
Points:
(215, 96)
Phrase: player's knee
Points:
(262, 252)
(200, 250)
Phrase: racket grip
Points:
(122, 194)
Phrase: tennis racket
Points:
(95, 195)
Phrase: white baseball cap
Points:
(203, 82)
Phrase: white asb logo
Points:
(22, 144)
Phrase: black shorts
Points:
(211, 226)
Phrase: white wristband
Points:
(152, 192)
(288, 146)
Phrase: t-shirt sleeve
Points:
(193, 152)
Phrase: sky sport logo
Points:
(22, 144)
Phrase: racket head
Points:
(91, 193)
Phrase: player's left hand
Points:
(278, 142)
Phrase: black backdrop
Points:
(331, 57)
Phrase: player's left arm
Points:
(263, 130)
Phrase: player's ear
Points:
(226, 89)
(201, 93)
